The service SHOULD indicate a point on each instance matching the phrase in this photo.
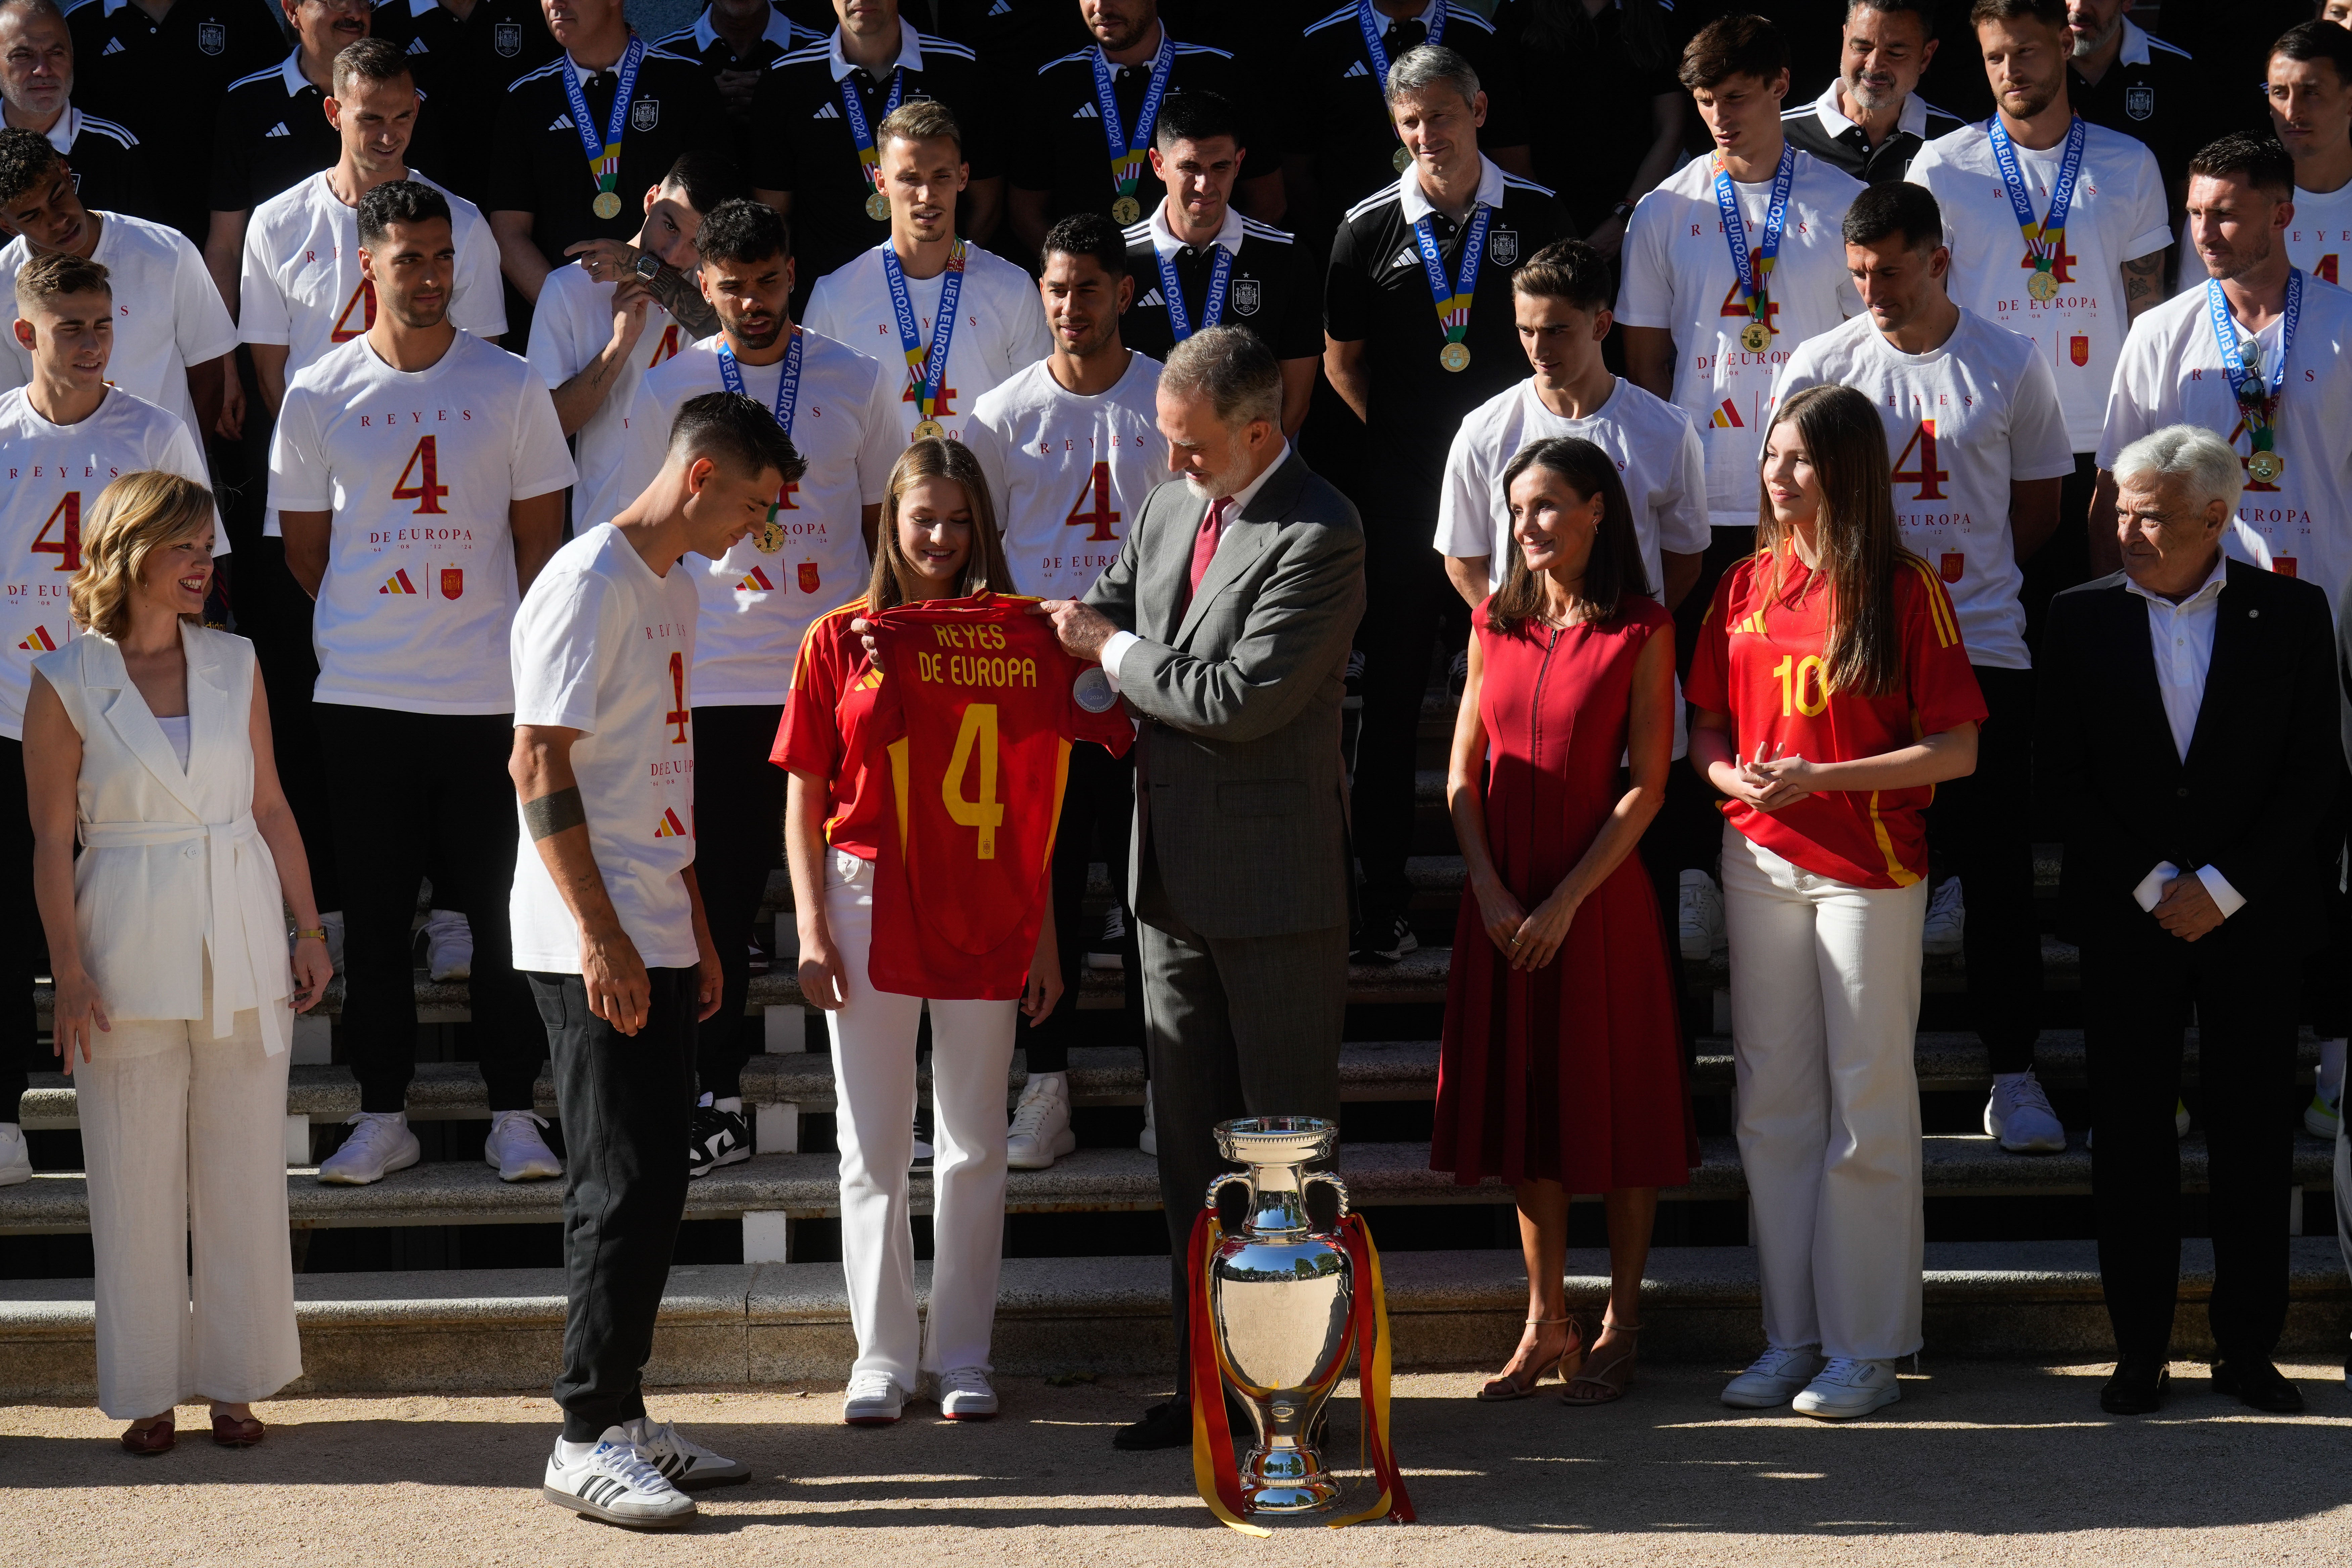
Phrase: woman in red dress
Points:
(1562, 1067)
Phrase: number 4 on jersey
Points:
(1927, 475)
(66, 517)
(983, 812)
(425, 467)
(1102, 517)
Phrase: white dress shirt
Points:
(1115, 648)
(2181, 635)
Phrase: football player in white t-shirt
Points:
(172, 336)
(808, 555)
(1070, 447)
(419, 478)
(66, 435)
(1980, 452)
(996, 327)
(1695, 334)
(608, 921)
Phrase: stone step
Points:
(769, 1191)
(476, 1329)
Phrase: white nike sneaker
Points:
(965, 1395)
(684, 1463)
(1847, 1388)
(1946, 926)
(16, 1160)
(872, 1400)
(515, 1147)
(2017, 1113)
(2320, 1118)
(1041, 1125)
(1149, 1141)
(1700, 918)
(1773, 1378)
(616, 1482)
(380, 1144)
(448, 946)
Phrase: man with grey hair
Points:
(1225, 623)
(1419, 329)
(37, 82)
(2187, 743)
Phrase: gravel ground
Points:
(1980, 1463)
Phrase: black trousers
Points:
(1407, 600)
(1687, 833)
(1981, 830)
(274, 611)
(21, 940)
(738, 815)
(2066, 561)
(2138, 985)
(624, 1100)
(418, 794)
(1098, 806)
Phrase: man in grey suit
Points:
(1225, 623)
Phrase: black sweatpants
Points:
(624, 1100)
(21, 940)
(416, 794)
(1407, 600)
(1981, 829)
(1098, 806)
(738, 815)
(274, 612)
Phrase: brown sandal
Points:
(237, 1431)
(1503, 1386)
(1605, 1381)
(155, 1437)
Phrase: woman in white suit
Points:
(147, 737)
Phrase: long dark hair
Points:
(1855, 536)
(1612, 574)
(983, 569)
(1564, 27)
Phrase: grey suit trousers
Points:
(1234, 1026)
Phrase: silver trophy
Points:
(1281, 1293)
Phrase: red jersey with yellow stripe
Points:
(1760, 660)
(823, 733)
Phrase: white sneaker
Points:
(1108, 951)
(1149, 1141)
(2320, 1118)
(380, 1144)
(1041, 1125)
(872, 1400)
(965, 1395)
(16, 1160)
(1772, 1378)
(448, 946)
(614, 1482)
(2017, 1113)
(684, 1463)
(1947, 920)
(517, 1151)
(1701, 920)
(1847, 1388)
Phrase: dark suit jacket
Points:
(2262, 762)
(1241, 792)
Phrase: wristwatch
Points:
(647, 267)
(1621, 210)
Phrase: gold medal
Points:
(2042, 285)
(877, 208)
(770, 537)
(2265, 466)
(606, 205)
(1454, 357)
(929, 430)
(1755, 337)
(1126, 210)
(1402, 159)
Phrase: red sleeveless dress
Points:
(1573, 1073)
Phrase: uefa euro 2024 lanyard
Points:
(1756, 271)
(2257, 402)
(1125, 150)
(1376, 51)
(1213, 309)
(927, 373)
(605, 157)
(1453, 302)
(2046, 240)
(788, 394)
(869, 157)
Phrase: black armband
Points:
(553, 813)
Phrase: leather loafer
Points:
(2257, 1383)
(149, 1441)
(1165, 1425)
(237, 1431)
(2137, 1387)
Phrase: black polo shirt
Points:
(1273, 290)
(539, 166)
(110, 167)
(1377, 293)
(1015, 36)
(802, 141)
(1821, 129)
(164, 81)
(272, 134)
(1061, 149)
(1336, 109)
(2154, 93)
(463, 67)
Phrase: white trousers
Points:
(1824, 1004)
(184, 1137)
(874, 1065)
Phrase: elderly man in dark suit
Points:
(1225, 623)
(2189, 737)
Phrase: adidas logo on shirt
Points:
(1001, 8)
(1354, 69)
(113, 46)
(1085, 111)
(276, 129)
(1408, 256)
(670, 827)
(561, 122)
(39, 642)
(826, 111)
(417, 46)
(1152, 299)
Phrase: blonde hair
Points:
(135, 516)
(983, 569)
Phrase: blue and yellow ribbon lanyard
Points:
(1756, 271)
(2257, 399)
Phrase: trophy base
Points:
(1282, 1479)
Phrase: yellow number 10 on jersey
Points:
(983, 812)
(1804, 684)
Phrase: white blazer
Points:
(172, 867)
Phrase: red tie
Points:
(1204, 545)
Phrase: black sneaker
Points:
(1108, 950)
(718, 1138)
(1382, 940)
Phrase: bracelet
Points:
(314, 933)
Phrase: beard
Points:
(756, 340)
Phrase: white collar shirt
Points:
(2180, 635)
(909, 56)
(1164, 240)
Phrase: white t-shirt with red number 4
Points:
(418, 469)
(2118, 215)
(1962, 422)
(605, 646)
(809, 557)
(51, 477)
(1067, 472)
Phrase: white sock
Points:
(572, 1453)
(2331, 1067)
(734, 1104)
(1061, 1080)
(2010, 1080)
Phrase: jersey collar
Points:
(1416, 205)
(910, 51)
(290, 73)
(2133, 51)
(778, 32)
(1912, 121)
(68, 126)
(419, 7)
(1229, 233)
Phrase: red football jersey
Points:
(1759, 661)
(823, 733)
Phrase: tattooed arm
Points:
(2144, 284)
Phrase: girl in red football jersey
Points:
(1830, 695)
(938, 540)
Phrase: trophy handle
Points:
(1218, 1183)
(1338, 1187)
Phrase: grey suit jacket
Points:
(1239, 786)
